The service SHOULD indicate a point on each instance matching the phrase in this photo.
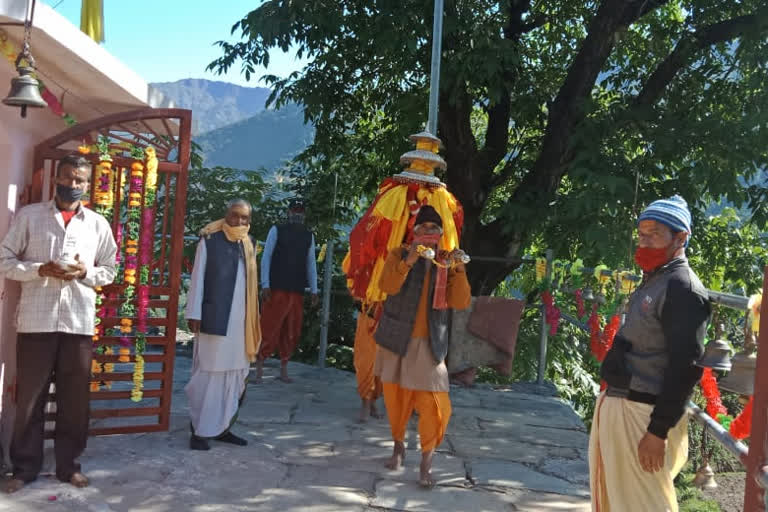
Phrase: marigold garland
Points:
(132, 228)
(146, 248)
(741, 427)
(711, 393)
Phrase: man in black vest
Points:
(287, 270)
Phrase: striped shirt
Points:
(37, 236)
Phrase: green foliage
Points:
(547, 118)
(691, 499)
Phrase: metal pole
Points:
(544, 331)
(736, 448)
(326, 313)
(434, 80)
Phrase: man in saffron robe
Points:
(413, 337)
(639, 438)
(368, 383)
(223, 310)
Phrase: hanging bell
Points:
(25, 91)
(588, 295)
(741, 378)
(717, 355)
(705, 478)
(600, 298)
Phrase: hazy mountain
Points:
(214, 104)
(234, 129)
(266, 140)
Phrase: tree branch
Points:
(568, 108)
(691, 43)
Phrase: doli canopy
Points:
(389, 220)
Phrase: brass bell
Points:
(705, 478)
(741, 378)
(717, 354)
(25, 91)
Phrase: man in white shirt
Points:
(59, 251)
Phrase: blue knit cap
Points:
(672, 212)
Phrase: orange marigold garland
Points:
(741, 427)
(711, 392)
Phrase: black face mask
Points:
(68, 194)
(295, 218)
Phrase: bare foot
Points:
(79, 480)
(364, 410)
(374, 411)
(13, 485)
(284, 374)
(398, 456)
(425, 470)
(259, 371)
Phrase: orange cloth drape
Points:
(368, 385)
(434, 408)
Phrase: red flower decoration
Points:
(711, 392)
(741, 427)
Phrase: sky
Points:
(168, 40)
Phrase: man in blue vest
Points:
(223, 311)
(287, 270)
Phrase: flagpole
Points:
(434, 81)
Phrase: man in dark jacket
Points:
(287, 270)
(639, 439)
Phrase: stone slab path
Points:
(513, 449)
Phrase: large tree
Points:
(558, 117)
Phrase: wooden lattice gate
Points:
(123, 398)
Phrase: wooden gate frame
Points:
(167, 130)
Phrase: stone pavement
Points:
(517, 449)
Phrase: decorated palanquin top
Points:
(389, 220)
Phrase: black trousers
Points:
(40, 359)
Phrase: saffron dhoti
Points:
(368, 384)
(281, 319)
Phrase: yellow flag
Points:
(92, 19)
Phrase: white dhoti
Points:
(617, 481)
(220, 367)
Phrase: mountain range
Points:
(233, 127)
